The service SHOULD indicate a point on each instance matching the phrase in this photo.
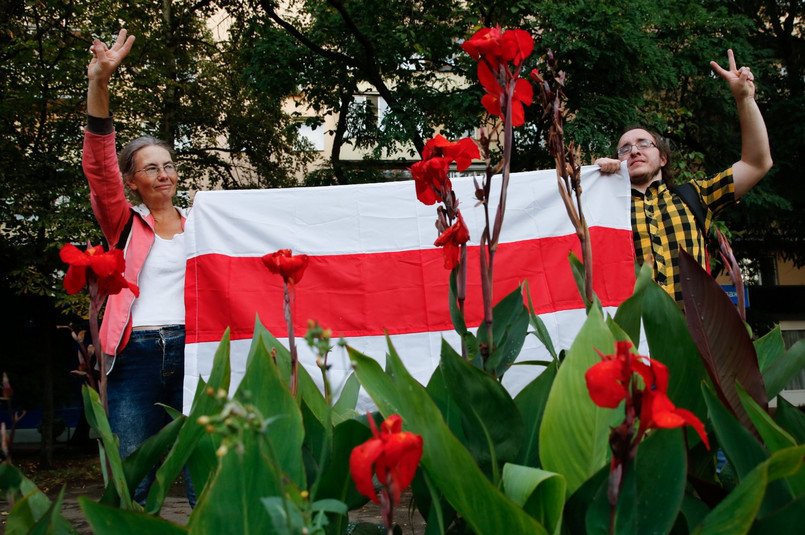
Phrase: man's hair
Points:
(125, 159)
(665, 151)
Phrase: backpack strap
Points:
(691, 198)
(124, 234)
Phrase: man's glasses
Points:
(170, 169)
(641, 145)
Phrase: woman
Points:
(142, 338)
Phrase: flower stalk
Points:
(291, 268)
(568, 171)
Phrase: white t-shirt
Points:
(161, 283)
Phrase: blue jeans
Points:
(149, 370)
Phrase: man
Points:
(662, 222)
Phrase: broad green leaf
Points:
(344, 408)
(451, 413)
(540, 331)
(459, 324)
(775, 438)
(787, 520)
(784, 369)
(769, 348)
(739, 509)
(144, 458)
(261, 386)
(285, 517)
(336, 481)
(192, 431)
(630, 312)
(509, 329)
(449, 465)
(574, 436)
(721, 337)
(306, 388)
(541, 494)
(654, 486)
(106, 520)
(493, 426)
(531, 403)
(578, 506)
(742, 449)
(96, 416)
(669, 341)
(231, 501)
(791, 419)
(31, 503)
(52, 523)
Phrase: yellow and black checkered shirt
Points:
(662, 223)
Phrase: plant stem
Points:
(289, 305)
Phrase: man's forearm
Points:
(755, 159)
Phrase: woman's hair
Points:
(125, 159)
(665, 151)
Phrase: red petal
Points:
(360, 466)
(70, 254)
(492, 105)
(489, 80)
(75, 279)
(517, 45)
(603, 383)
(401, 456)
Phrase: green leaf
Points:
(653, 489)
(540, 331)
(96, 416)
(344, 408)
(459, 324)
(739, 509)
(541, 494)
(787, 520)
(670, 342)
(769, 348)
(31, 503)
(450, 467)
(531, 403)
(721, 337)
(261, 386)
(742, 449)
(231, 501)
(106, 520)
(574, 436)
(791, 419)
(509, 330)
(451, 412)
(493, 425)
(336, 481)
(784, 369)
(630, 311)
(145, 457)
(191, 433)
(775, 438)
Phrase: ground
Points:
(79, 472)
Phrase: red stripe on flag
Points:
(399, 292)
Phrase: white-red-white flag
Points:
(374, 269)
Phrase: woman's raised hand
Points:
(106, 60)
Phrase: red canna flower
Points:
(452, 239)
(486, 42)
(522, 95)
(612, 380)
(393, 453)
(107, 266)
(516, 45)
(430, 174)
(431, 180)
(284, 263)
(609, 381)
